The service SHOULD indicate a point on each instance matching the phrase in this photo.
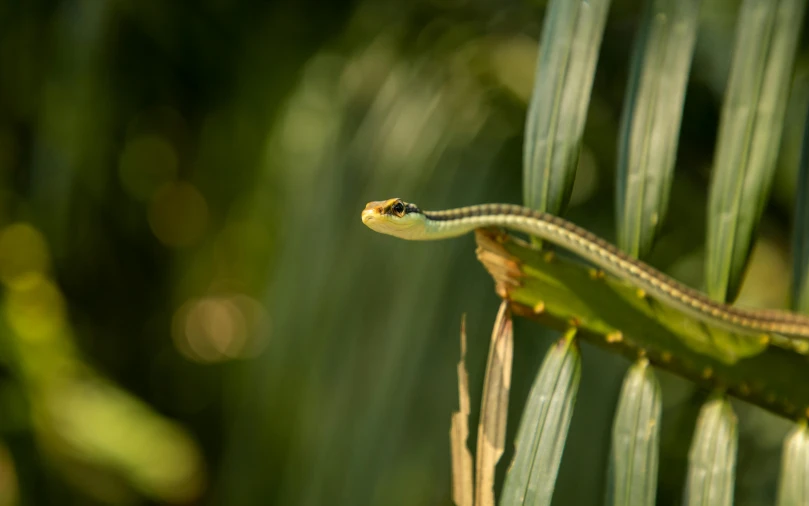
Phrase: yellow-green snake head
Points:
(394, 217)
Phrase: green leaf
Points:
(749, 136)
(712, 459)
(800, 254)
(650, 125)
(793, 487)
(635, 442)
(571, 38)
(543, 428)
(611, 313)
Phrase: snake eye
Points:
(398, 208)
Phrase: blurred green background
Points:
(192, 311)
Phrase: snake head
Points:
(393, 217)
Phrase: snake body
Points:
(406, 221)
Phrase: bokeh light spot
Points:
(178, 214)
(23, 252)
(146, 163)
(213, 329)
(257, 321)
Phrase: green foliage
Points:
(623, 318)
(650, 123)
(557, 112)
(186, 285)
(544, 427)
(749, 137)
(612, 314)
(632, 478)
(712, 459)
(793, 487)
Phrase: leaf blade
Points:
(610, 313)
(793, 484)
(635, 439)
(712, 458)
(749, 137)
(544, 425)
(494, 406)
(571, 38)
(463, 480)
(650, 123)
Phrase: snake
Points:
(406, 220)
